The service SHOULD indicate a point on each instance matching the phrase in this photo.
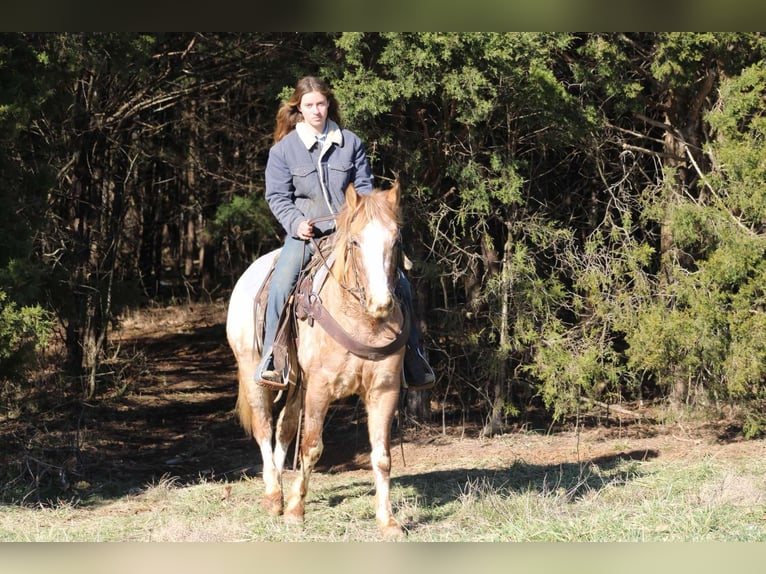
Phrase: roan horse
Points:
(358, 294)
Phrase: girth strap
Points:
(317, 311)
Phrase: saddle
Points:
(285, 346)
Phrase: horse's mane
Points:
(355, 215)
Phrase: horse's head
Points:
(368, 231)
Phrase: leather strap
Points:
(322, 316)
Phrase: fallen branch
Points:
(615, 408)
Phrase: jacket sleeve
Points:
(362, 172)
(280, 192)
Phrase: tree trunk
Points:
(683, 132)
(496, 422)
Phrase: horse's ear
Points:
(394, 194)
(351, 196)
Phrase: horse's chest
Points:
(340, 375)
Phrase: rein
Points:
(356, 292)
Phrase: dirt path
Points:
(194, 390)
(175, 419)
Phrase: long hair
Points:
(289, 115)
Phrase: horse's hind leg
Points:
(315, 410)
(254, 406)
(287, 426)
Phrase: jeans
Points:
(294, 255)
(404, 291)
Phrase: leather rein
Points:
(311, 305)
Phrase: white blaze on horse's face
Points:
(376, 243)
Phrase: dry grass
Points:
(706, 499)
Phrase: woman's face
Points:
(314, 107)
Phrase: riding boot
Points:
(418, 374)
(266, 374)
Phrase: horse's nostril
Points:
(379, 309)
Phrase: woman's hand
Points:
(305, 231)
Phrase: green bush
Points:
(23, 330)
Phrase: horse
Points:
(359, 295)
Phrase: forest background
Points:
(585, 213)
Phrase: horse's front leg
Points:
(315, 410)
(381, 407)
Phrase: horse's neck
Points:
(338, 288)
(321, 264)
(339, 292)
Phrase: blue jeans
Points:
(404, 291)
(294, 255)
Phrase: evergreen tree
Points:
(24, 324)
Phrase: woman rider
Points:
(310, 165)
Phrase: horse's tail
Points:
(240, 330)
(243, 410)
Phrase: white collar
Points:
(308, 136)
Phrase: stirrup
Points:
(269, 384)
(428, 383)
(270, 378)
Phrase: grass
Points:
(458, 492)
(704, 499)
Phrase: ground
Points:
(169, 412)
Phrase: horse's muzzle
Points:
(380, 309)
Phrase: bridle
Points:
(315, 310)
(357, 290)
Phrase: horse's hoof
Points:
(272, 504)
(294, 516)
(392, 532)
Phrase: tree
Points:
(583, 210)
(480, 126)
(560, 170)
(643, 267)
(24, 324)
(148, 136)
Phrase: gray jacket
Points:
(298, 189)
